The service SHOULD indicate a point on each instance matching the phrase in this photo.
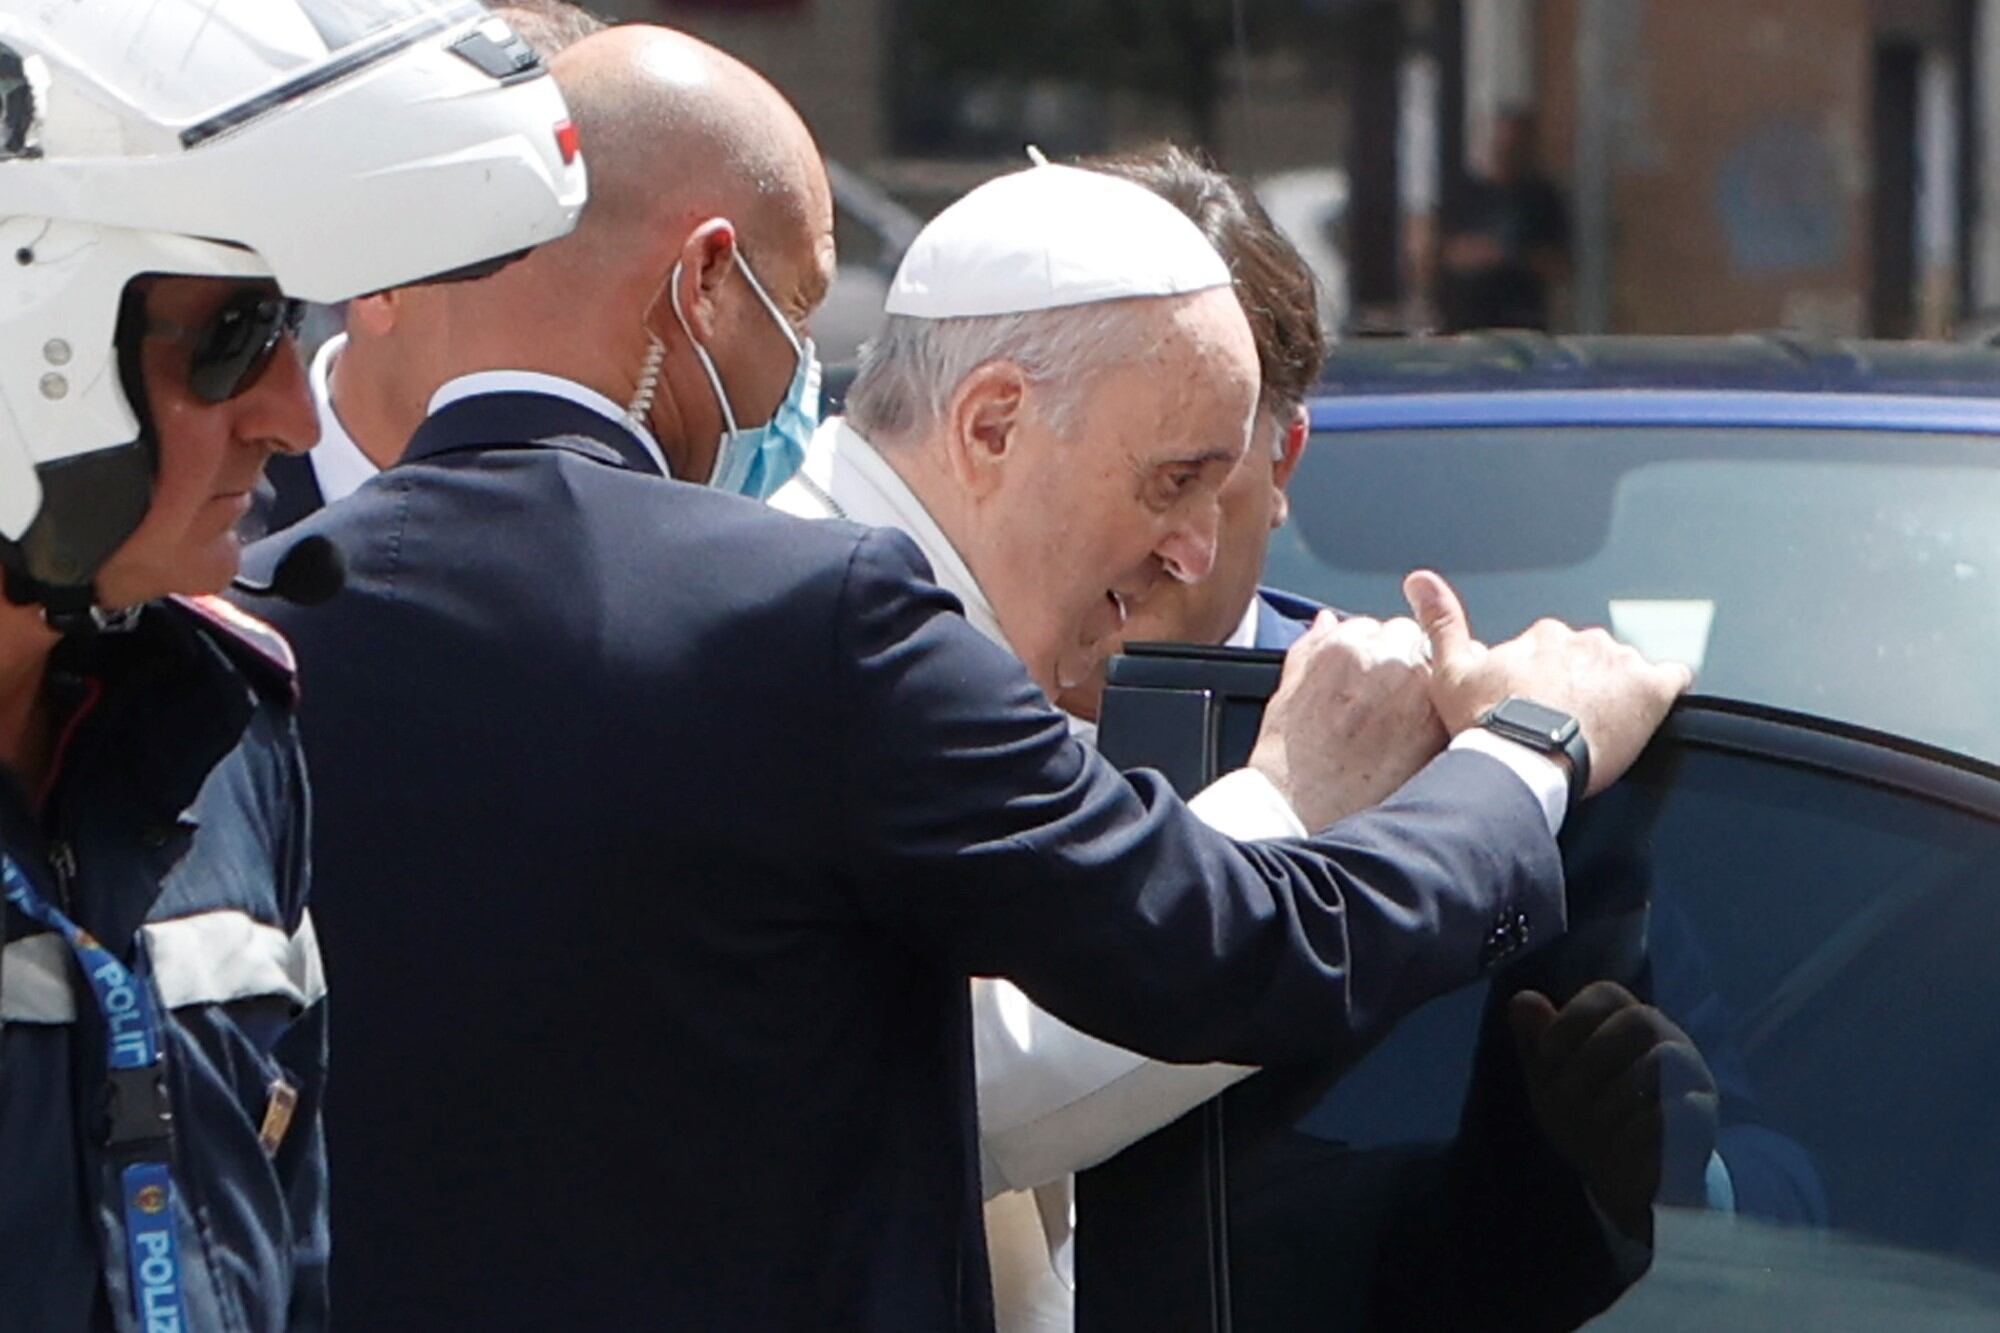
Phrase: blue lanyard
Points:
(135, 1054)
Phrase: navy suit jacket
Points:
(657, 834)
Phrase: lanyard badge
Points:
(141, 1118)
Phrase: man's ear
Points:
(1292, 447)
(706, 258)
(983, 424)
(374, 315)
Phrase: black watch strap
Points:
(1549, 731)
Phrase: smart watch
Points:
(1547, 731)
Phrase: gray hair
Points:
(549, 26)
(909, 372)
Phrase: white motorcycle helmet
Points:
(334, 147)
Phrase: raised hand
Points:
(1618, 697)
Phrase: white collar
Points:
(338, 464)
(863, 488)
(531, 381)
(843, 476)
(1245, 633)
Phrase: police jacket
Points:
(660, 833)
(173, 830)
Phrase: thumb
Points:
(1529, 1014)
(1437, 608)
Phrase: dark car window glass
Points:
(1825, 935)
(1849, 574)
(1829, 943)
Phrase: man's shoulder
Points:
(767, 556)
(367, 508)
(604, 530)
(735, 537)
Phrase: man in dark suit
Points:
(659, 833)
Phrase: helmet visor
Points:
(206, 65)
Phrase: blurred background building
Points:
(1825, 166)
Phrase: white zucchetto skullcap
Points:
(1050, 237)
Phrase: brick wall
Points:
(1740, 178)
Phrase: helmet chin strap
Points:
(66, 610)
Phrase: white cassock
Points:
(1052, 1100)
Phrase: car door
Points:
(1817, 905)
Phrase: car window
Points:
(1848, 574)
(1819, 913)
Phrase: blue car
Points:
(1815, 528)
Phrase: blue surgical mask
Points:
(757, 460)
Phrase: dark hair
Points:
(1273, 281)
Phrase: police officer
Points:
(167, 169)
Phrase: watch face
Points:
(1530, 716)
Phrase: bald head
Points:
(705, 246)
(675, 131)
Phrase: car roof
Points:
(1751, 380)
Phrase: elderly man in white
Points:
(1050, 414)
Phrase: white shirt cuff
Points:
(1244, 805)
(1544, 776)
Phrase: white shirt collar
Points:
(338, 464)
(1245, 633)
(863, 488)
(843, 476)
(531, 381)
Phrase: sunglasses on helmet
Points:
(237, 343)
